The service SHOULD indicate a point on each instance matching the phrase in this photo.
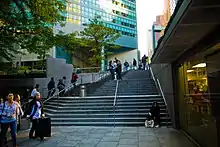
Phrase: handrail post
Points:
(57, 99)
(115, 98)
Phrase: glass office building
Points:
(119, 15)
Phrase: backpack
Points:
(29, 107)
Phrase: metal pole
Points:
(103, 59)
(57, 100)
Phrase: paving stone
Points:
(127, 145)
(90, 141)
(113, 134)
(110, 139)
(85, 145)
(149, 144)
(107, 144)
(128, 141)
(129, 136)
(79, 138)
(96, 136)
(67, 143)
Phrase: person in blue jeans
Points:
(8, 119)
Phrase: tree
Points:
(75, 45)
(24, 21)
(98, 36)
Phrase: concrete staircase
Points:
(136, 93)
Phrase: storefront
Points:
(187, 64)
(198, 91)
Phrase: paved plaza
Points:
(109, 137)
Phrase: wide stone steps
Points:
(136, 93)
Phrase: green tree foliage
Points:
(27, 24)
(98, 36)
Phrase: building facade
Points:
(186, 63)
(119, 15)
(162, 21)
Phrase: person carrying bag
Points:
(37, 116)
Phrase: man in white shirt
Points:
(35, 90)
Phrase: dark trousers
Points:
(112, 74)
(18, 123)
(33, 128)
(119, 76)
(156, 120)
(4, 129)
(144, 66)
(61, 93)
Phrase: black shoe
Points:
(41, 138)
(32, 137)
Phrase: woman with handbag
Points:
(36, 113)
(20, 111)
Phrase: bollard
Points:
(83, 91)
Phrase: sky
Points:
(147, 10)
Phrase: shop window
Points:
(195, 109)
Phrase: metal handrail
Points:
(88, 68)
(161, 91)
(152, 74)
(57, 94)
(157, 82)
(116, 92)
(115, 98)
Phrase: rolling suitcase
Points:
(43, 128)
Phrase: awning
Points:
(193, 21)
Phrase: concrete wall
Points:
(164, 73)
(58, 68)
(85, 78)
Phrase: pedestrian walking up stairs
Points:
(106, 107)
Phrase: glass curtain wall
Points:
(195, 107)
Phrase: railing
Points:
(115, 99)
(57, 94)
(90, 74)
(157, 83)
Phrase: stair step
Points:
(109, 119)
(108, 103)
(95, 107)
(98, 101)
(104, 123)
(105, 111)
(104, 115)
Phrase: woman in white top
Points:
(20, 113)
(36, 113)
